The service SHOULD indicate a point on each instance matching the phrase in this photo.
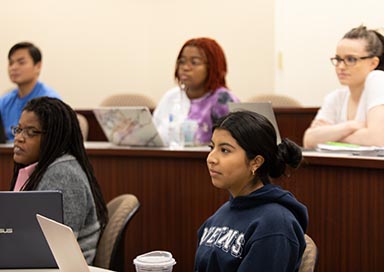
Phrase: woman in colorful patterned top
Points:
(202, 93)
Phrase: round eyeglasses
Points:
(348, 60)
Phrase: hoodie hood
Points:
(270, 193)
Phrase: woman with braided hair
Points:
(261, 227)
(49, 154)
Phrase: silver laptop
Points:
(129, 126)
(263, 108)
(65, 248)
(22, 244)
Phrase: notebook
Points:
(263, 108)
(22, 244)
(64, 246)
(130, 126)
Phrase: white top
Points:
(334, 108)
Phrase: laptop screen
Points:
(130, 126)
(22, 243)
(63, 245)
(263, 108)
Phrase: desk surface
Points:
(202, 150)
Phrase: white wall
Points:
(92, 48)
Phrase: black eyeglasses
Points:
(349, 60)
(28, 132)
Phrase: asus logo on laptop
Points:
(6, 231)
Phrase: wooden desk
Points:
(344, 196)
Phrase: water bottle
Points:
(175, 132)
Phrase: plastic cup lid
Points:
(155, 259)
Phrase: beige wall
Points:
(92, 48)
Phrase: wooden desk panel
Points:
(343, 196)
(293, 122)
(346, 208)
(6, 166)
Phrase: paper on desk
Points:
(337, 146)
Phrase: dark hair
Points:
(216, 62)
(63, 136)
(375, 42)
(34, 52)
(257, 136)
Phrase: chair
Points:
(277, 100)
(110, 250)
(310, 256)
(129, 99)
(84, 127)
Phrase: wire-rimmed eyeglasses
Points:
(28, 132)
(349, 60)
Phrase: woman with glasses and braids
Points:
(202, 92)
(49, 154)
(355, 112)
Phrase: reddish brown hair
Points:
(216, 62)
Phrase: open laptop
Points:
(263, 108)
(64, 246)
(130, 126)
(22, 244)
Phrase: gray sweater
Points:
(65, 175)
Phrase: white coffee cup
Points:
(154, 261)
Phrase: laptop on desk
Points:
(263, 108)
(128, 126)
(64, 246)
(22, 243)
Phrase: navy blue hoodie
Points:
(263, 231)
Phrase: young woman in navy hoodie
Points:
(261, 227)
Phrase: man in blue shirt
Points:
(24, 70)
